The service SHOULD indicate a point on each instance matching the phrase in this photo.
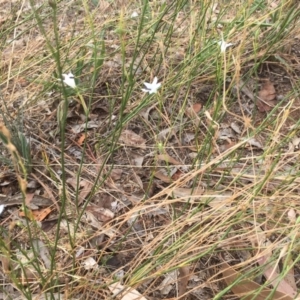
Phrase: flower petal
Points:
(69, 80)
(148, 85)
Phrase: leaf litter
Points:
(266, 97)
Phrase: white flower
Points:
(152, 88)
(69, 80)
(2, 208)
(134, 15)
(224, 45)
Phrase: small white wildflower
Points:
(2, 208)
(152, 88)
(223, 45)
(69, 80)
(134, 15)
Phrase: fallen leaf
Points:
(43, 252)
(38, 215)
(254, 142)
(220, 201)
(85, 186)
(28, 198)
(236, 127)
(226, 146)
(197, 107)
(138, 160)
(86, 189)
(177, 175)
(290, 277)
(90, 264)
(102, 214)
(47, 190)
(226, 134)
(294, 144)
(125, 293)
(32, 184)
(160, 175)
(28, 271)
(192, 112)
(169, 159)
(292, 215)
(167, 133)
(183, 279)
(22, 81)
(129, 138)
(167, 284)
(81, 139)
(274, 277)
(116, 174)
(186, 192)
(81, 127)
(266, 97)
(246, 288)
(145, 112)
(270, 267)
(188, 137)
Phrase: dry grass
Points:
(191, 192)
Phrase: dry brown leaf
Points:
(235, 127)
(43, 252)
(183, 279)
(220, 202)
(247, 288)
(102, 214)
(167, 133)
(292, 215)
(168, 283)
(178, 174)
(226, 146)
(47, 190)
(160, 175)
(5, 257)
(271, 270)
(197, 107)
(86, 189)
(271, 274)
(116, 174)
(84, 184)
(266, 97)
(38, 215)
(129, 138)
(186, 192)
(290, 277)
(167, 158)
(125, 293)
(81, 139)
(254, 142)
(81, 127)
(145, 112)
(192, 111)
(138, 160)
(28, 198)
(22, 81)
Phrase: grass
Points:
(202, 202)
